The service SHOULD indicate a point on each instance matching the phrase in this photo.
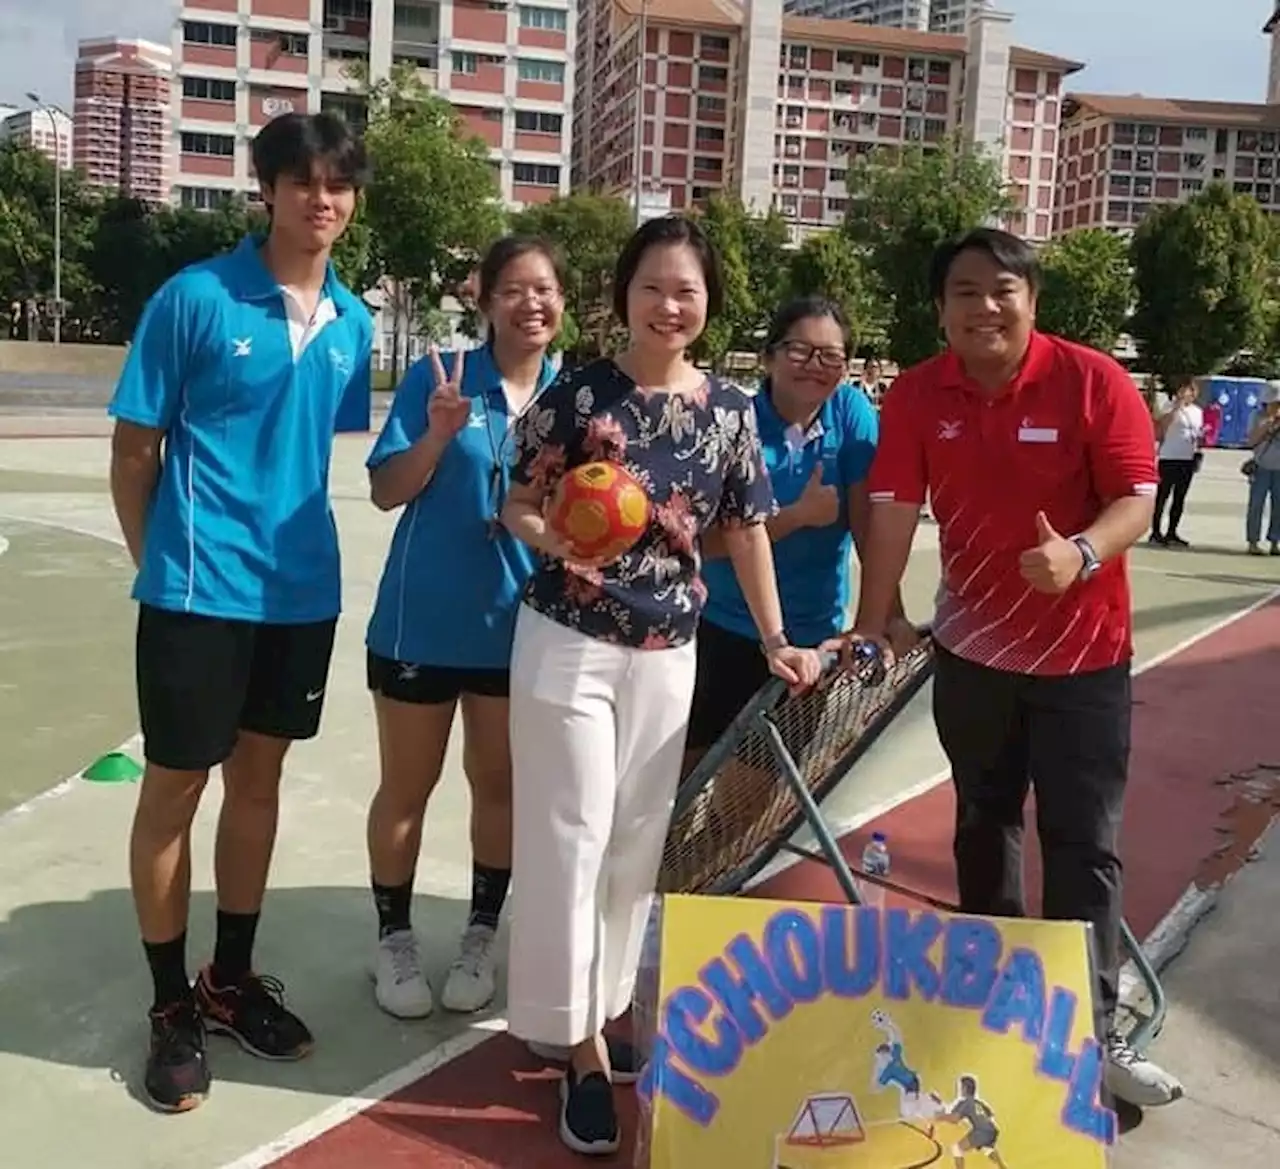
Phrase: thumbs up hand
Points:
(819, 503)
(1053, 565)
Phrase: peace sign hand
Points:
(447, 408)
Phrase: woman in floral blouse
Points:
(603, 666)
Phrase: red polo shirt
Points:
(1067, 437)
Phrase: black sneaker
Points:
(253, 1013)
(177, 1074)
(588, 1120)
(624, 1059)
(1173, 541)
(1156, 539)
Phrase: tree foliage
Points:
(827, 264)
(902, 205)
(590, 231)
(1088, 288)
(1204, 273)
(433, 204)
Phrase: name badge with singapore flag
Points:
(1038, 434)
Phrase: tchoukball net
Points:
(736, 810)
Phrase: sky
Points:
(1166, 48)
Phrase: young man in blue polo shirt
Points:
(225, 414)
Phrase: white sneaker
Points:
(473, 977)
(1135, 1079)
(400, 986)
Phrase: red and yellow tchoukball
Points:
(599, 510)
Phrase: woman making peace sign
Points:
(440, 638)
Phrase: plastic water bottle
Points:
(875, 863)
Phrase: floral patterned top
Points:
(697, 455)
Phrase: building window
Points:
(552, 19)
(871, 60)
(712, 75)
(712, 44)
(705, 162)
(293, 44)
(533, 69)
(202, 198)
(221, 145)
(466, 62)
(490, 115)
(408, 16)
(538, 122)
(351, 9)
(208, 89)
(709, 104)
(199, 32)
(535, 174)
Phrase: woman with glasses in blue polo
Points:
(442, 627)
(819, 436)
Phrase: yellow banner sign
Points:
(801, 1036)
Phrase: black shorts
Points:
(202, 680)
(433, 685)
(730, 670)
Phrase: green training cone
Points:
(117, 767)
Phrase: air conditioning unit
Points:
(334, 24)
(794, 120)
(790, 180)
(793, 150)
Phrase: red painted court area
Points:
(1205, 784)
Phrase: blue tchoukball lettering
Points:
(707, 1029)
(794, 949)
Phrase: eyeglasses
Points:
(801, 353)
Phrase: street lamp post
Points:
(51, 112)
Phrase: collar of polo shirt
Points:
(254, 280)
(1035, 365)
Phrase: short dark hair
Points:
(292, 144)
(968, 1086)
(806, 308)
(1013, 255)
(667, 231)
(506, 250)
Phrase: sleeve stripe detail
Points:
(882, 496)
(1144, 489)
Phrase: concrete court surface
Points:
(72, 982)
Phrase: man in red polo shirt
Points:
(1037, 456)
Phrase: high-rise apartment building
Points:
(46, 130)
(121, 113)
(506, 67)
(949, 16)
(776, 108)
(1122, 156)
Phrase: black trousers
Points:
(1068, 738)
(1175, 482)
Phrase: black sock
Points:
(168, 962)
(394, 904)
(233, 949)
(488, 892)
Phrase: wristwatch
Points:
(773, 643)
(1091, 562)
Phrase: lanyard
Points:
(499, 449)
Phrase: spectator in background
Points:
(1179, 434)
(1263, 470)
(870, 384)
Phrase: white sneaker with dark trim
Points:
(473, 977)
(399, 983)
(1135, 1079)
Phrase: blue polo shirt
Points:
(453, 579)
(812, 564)
(240, 525)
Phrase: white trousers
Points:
(597, 737)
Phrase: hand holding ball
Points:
(598, 511)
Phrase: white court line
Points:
(62, 787)
(389, 1085)
(345, 1109)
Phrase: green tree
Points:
(1088, 288)
(433, 203)
(827, 264)
(754, 256)
(590, 231)
(27, 213)
(902, 205)
(1204, 272)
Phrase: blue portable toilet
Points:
(1238, 399)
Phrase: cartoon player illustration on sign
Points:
(889, 1069)
(983, 1131)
